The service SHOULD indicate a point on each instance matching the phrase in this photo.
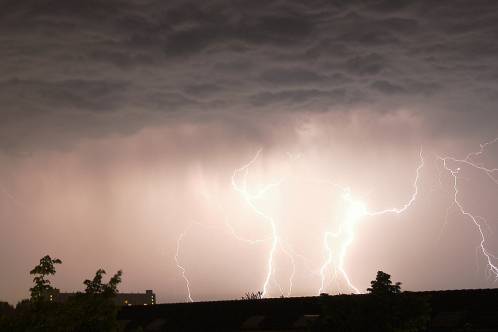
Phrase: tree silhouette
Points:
(41, 272)
(382, 285)
(111, 288)
(253, 296)
(95, 286)
(93, 310)
(6, 312)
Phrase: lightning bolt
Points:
(476, 220)
(250, 199)
(287, 251)
(277, 243)
(214, 201)
(180, 266)
(356, 211)
(328, 260)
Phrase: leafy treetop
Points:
(41, 272)
(95, 286)
(382, 285)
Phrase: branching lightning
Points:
(476, 220)
(250, 199)
(336, 244)
(356, 210)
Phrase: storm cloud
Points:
(129, 96)
(239, 57)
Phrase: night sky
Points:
(123, 125)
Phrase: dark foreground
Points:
(456, 310)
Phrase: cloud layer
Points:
(93, 69)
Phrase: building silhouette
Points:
(122, 299)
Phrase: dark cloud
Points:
(202, 90)
(292, 76)
(289, 97)
(370, 64)
(65, 95)
(387, 88)
(182, 57)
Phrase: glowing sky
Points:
(123, 125)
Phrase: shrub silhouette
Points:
(253, 296)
